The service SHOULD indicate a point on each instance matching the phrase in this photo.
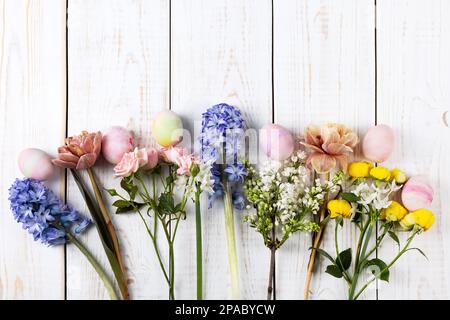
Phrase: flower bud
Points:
(195, 169)
(360, 169)
(395, 212)
(380, 173)
(167, 129)
(339, 208)
(399, 176)
(423, 218)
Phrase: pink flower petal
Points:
(322, 163)
(64, 164)
(86, 161)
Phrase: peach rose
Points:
(131, 162)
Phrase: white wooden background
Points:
(295, 61)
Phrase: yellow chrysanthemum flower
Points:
(339, 208)
(380, 173)
(423, 218)
(360, 169)
(399, 176)
(395, 212)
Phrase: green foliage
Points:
(350, 197)
(344, 260)
(380, 271)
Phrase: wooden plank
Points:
(221, 52)
(32, 104)
(118, 75)
(323, 72)
(413, 82)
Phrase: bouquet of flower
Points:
(285, 197)
(368, 198)
(150, 179)
(50, 221)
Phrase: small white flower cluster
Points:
(284, 192)
(188, 184)
(373, 194)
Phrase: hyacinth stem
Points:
(231, 243)
(101, 273)
(198, 223)
(112, 232)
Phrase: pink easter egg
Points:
(417, 193)
(276, 142)
(379, 143)
(35, 164)
(116, 142)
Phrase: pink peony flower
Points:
(79, 152)
(329, 145)
(152, 157)
(131, 162)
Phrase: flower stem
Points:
(271, 289)
(198, 223)
(231, 243)
(401, 253)
(171, 272)
(101, 273)
(122, 284)
(312, 258)
(365, 234)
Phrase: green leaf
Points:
(394, 237)
(344, 260)
(128, 185)
(102, 228)
(420, 251)
(324, 253)
(166, 204)
(356, 217)
(334, 271)
(112, 192)
(132, 207)
(350, 197)
(121, 204)
(381, 265)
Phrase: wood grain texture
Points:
(323, 72)
(413, 97)
(32, 114)
(118, 75)
(221, 52)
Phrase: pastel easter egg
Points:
(277, 142)
(35, 164)
(417, 193)
(379, 143)
(116, 142)
(167, 129)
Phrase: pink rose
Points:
(180, 157)
(131, 162)
(184, 165)
(172, 154)
(152, 158)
